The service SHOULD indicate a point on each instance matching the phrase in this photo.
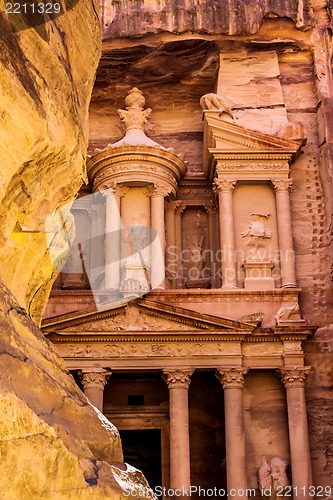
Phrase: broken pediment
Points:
(225, 141)
(142, 315)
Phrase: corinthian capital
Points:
(231, 378)
(282, 184)
(224, 185)
(172, 205)
(94, 377)
(161, 190)
(178, 378)
(294, 377)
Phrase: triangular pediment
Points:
(230, 137)
(141, 315)
(222, 136)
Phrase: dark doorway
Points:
(142, 449)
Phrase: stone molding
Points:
(231, 378)
(282, 184)
(178, 379)
(94, 377)
(294, 377)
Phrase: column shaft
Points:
(232, 380)
(179, 246)
(294, 381)
(112, 241)
(170, 235)
(227, 237)
(180, 473)
(287, 254)
(158, 245)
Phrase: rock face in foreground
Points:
(46, 78)
(53, 444)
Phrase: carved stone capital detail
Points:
(211, 209)
(178, 378)
(161, 190)
(172, 205)
(94, 377)
(282, 184)
(224, 185)
(119, 190)
(231, 378)
(294, 377)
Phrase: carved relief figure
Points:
(272, 478)
(196, 255)
(291, 312)
(256, 232)
(214, 102)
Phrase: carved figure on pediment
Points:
(256, 232)
(214, 102)
(291, 312)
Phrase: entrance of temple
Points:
(142, 449)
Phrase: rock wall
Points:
(47, 73)
(53, 443)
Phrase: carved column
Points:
(232, 380)
(113, 227)
(178, 383)
(93, 381)
(97, 231)
(179, 245)
(211, 210)
(287, 255)
(170, 235)
(157, 223)
(294, 382)
(225, 188)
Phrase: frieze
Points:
(252, 166)
(146, 349)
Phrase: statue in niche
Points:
(196, 264)
(272, 478)
(196, 255)
(256, 232)
(214, 102)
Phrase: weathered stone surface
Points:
(53, 443)
(138, 18)
(46, 81)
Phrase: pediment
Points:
(141, 315)
(226, 137)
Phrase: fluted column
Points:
(158, 225)
(232, 380)
(93, 381)
(179, 245)
(170, 236)
(294, 382)
(178, 383)
(225, 188)
(287, 254)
